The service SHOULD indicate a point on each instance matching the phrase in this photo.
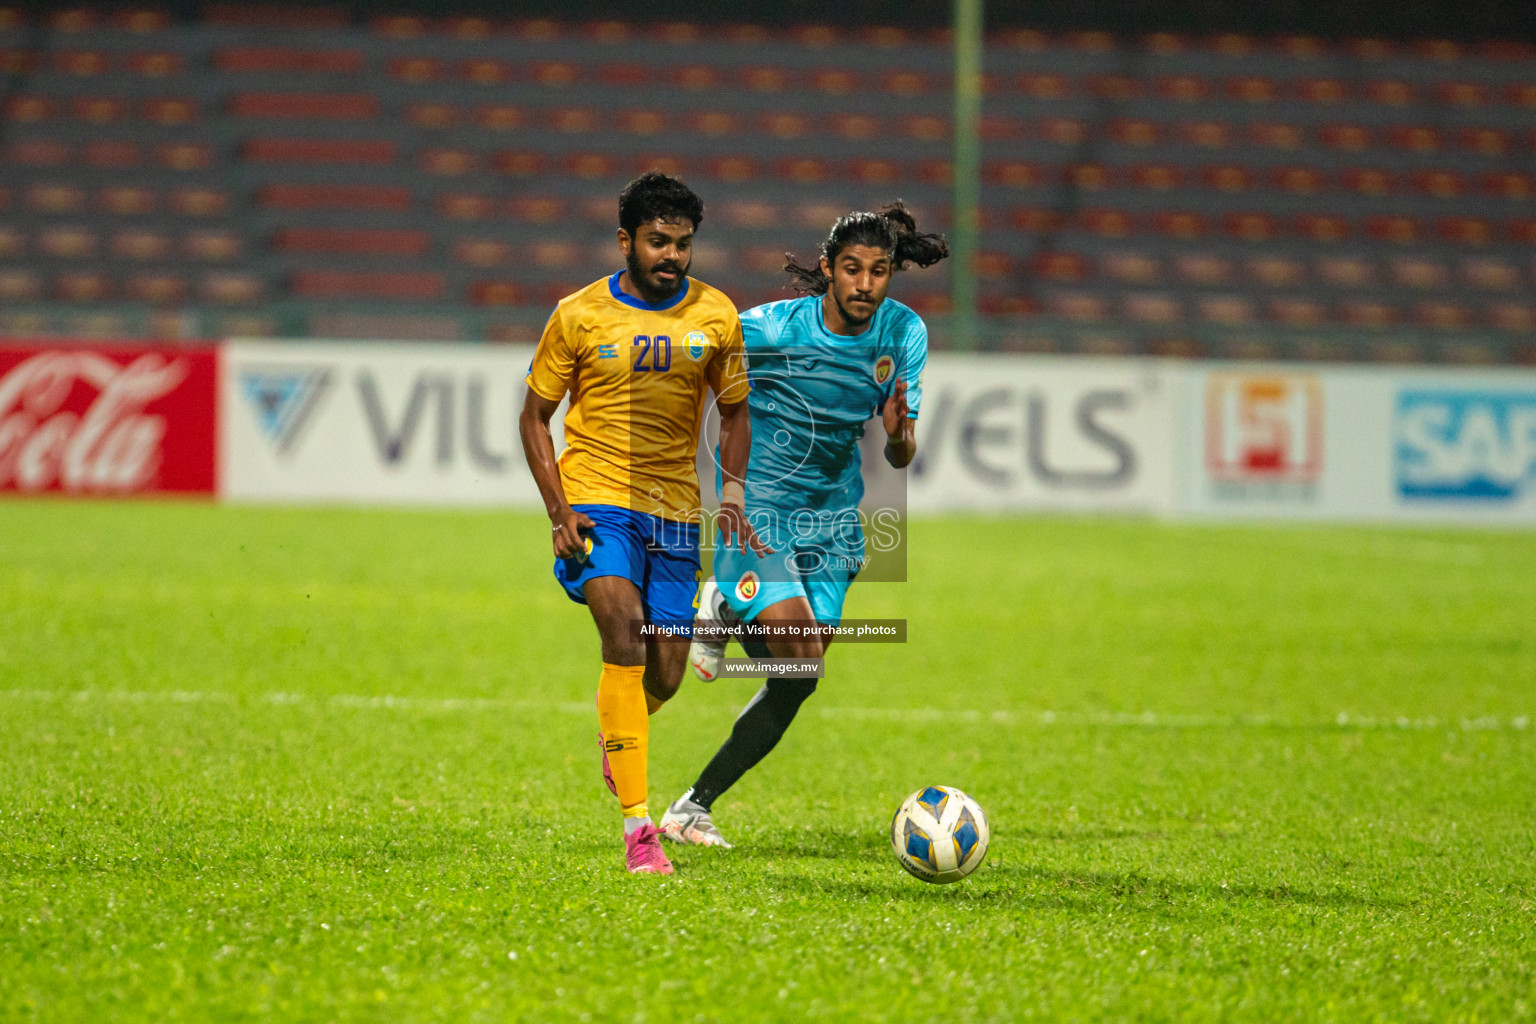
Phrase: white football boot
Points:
(687, 823)
(710, 638)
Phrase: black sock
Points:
(756, 732)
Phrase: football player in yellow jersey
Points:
(636, 353)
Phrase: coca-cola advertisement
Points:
(101, 421)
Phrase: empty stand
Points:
(1168, 185)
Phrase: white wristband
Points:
(732, 493)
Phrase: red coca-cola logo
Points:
(107, 421)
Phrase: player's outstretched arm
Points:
(900, 427)
(735, 446)
(539, 449)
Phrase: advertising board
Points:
(92, 420)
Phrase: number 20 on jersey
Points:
(655, 353)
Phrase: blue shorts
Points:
(659, 556)
(818, 563)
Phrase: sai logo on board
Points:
(1263, 432)
(1454, 445)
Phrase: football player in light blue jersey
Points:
(822, 366)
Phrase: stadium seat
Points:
(518, 163)
(1441, 184)
(784, 125)
(169, 112)
(1132, 268)
(590, 166)
(1295, 311)
(352, 241)
(1419, 273)
(485, 71)
(302, 106)
(212, 246)
(535, 209)
(55, 199)
(1207, 269)
(394, 198)
(352, 284)
(1299, 181)
(464, 206)
(415, 70)
(20, 285)
(481, 252)
(199, 202)
(231, 288)
(442, 116)
(497, 293)
(713, 123)
(1464, 230)
(1394, 228)
(13, 243)
(1252, 226)
(1465, 95)
(1276, 135)
(1368, 181)
(82, 286)
(448, 162)
(140, 245)
(751, 214)
(763, 79)
(116, 154)
(696, 78)
(285, 61)
(128, 201)
(154, 64)
(732, 168)
(27, 109)
(836, 81)
(1323, 227)
(184, 156)
(803, 170)
(80, 63)
(320, 151)
(1108, 223)
(1039, 86)
(624, 76)
(1180, 224)
(554, 74)
(156, 289)
(573, 120)
(1275, 272)
(1152, 307)
(1488, 274)
(1487, 142)
(641, 122)
(1059, 131)
(1181, 88)
(1510, 185)
(1345, 271)
(68, 243)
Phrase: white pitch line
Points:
(1147, 719)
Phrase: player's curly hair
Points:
(654, 195)
(893, 229)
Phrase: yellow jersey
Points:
(636, 373)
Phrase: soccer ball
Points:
(940, 834)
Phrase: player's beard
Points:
(849, 318)
(647, 285)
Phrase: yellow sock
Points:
(626, 732)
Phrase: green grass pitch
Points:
(329, 765)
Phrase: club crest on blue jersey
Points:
(746, 590)
(884, 367)
(696, 344)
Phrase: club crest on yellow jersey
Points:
(884, 367)
(696, 344)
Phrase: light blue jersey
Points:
(813, 392)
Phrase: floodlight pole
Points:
(966, 226)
